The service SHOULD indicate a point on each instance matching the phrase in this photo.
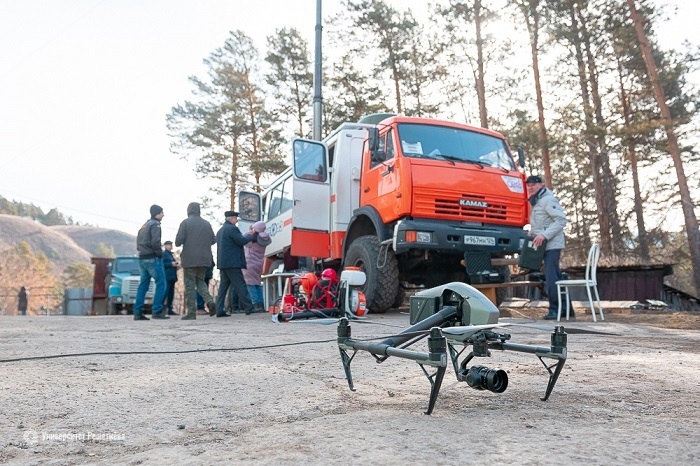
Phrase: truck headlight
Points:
(413, 236)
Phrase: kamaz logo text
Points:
(473, 203)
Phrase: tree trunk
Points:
(607, 179)
(643, 239)
(590, 133)
(534, 30)
(691, 221)
(480, 85)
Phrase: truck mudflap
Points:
(452, 238)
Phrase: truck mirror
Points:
(521, 157)
(373, 141)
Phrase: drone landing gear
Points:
(553, 376)
(435, 357)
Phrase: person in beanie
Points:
(254, 258)
(547, 222)
(150, 265)
(231, 260)
(196, 237)
(170, 265)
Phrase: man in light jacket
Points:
(547, 222)
(196, 237)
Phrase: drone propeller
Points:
(569, 330)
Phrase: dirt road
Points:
(633, 398)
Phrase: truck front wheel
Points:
(382, 283)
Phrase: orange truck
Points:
(408, 200)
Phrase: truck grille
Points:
(131, 286)
(434, 203)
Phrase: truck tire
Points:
(111, 308)
(382, 284)
(399, 298)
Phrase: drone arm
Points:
(438, 319)
(536, 350)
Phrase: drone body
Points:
(453, 316)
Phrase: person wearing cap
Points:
(170, 265)
(151, 266)
(196, 237)
(230, 261)
(547, 222)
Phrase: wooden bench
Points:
(489, 289)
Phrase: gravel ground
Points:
(632, 398)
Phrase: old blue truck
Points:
(122, 283)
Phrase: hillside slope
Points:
(63, 245)
(89, 238)
(60, 249)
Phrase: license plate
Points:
(480, 240)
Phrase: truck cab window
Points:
(309, 161)
(386, 149)
(287, 199)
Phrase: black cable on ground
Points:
(206, 350)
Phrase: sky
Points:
(85, 86)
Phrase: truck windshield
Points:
(442, 142)
(129, 265)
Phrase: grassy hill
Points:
(89, 238)
(63, 245)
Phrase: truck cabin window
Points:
(127, 265)
(385, 151)
(309, 161)
(456, 145)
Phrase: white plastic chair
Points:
(589, 282)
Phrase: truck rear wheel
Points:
(399, 298)
(382, 284)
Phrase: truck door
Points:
(311, 210)
(249, 209)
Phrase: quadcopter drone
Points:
(452, 316)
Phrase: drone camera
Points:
(483, 378)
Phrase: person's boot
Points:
(189, 317)
(212, 308)
(140, 317)
(171, 313)
(550, 316)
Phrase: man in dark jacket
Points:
(230, 260)
(196, 237)
(170, 265)
(151, 265)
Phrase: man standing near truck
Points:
(196, 237)
(547, 222)
(150, 265)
